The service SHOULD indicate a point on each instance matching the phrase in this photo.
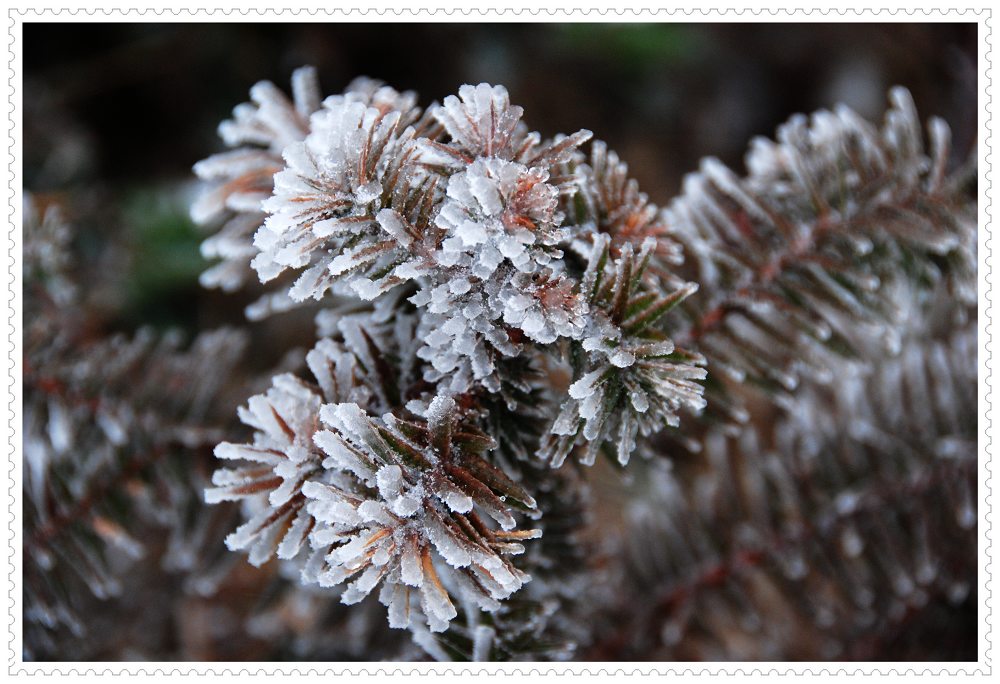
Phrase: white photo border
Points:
(502, 11)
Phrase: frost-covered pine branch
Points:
(491, 303)
(852, 513)
(239, 180)
(374, 496)
(454, 224)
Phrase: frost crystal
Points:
(544, 307)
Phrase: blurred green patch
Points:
(636, 46)
(165, 261)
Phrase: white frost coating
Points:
(450, 549)
(500, 221)
(362, 586)
(497, 210)
(640, 400)
(437, 606)
(294, 540)
(396, 598)
(458, 502)
(470, 233)
(392, 223)
(441, 412)
(350, 419)
(406, 506)
(341, 456)
(285, 418)
(584, 387)
(622, 358)
(410, 571)
(390, 481)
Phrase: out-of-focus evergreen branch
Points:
(850, 515)
(799, 264)
(110, 425)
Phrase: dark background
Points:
(663, 95)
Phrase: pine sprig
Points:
(321, 473)
(417, 492)
(546, 619)
(239, 180)
(113, 426)
(606, 199)
(635, 380)
(109, 426)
